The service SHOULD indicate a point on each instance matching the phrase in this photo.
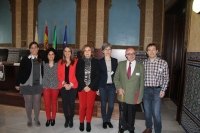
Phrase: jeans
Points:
(152, 104)
(107, 93)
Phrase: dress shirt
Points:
(132, 66)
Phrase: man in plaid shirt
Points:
(156, 81)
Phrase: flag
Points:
(55, 39)
(36, 34)
(46, 38)
(65, 42)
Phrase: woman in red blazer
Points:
(68, 84)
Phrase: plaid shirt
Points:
(156, 73)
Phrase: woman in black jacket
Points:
(29, 82)
(108, 66)
(87, 74)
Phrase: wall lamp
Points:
(196, 6)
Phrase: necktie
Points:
(129, 70)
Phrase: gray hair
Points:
(105, 45)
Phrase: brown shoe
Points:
(147, 130)
(37, 124)
(29, 124)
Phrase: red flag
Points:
(46, 38)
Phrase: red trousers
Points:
(86, 104)
(50, 99)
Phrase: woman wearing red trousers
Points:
(50, 85)
(87, 74)
(68, 84)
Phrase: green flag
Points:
(55, 39)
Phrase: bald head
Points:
(128, 49)
(130, 54)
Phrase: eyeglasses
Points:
(130, 54)
(107, 49)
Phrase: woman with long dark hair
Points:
(50, 85)
(29, 82)
(68, 84)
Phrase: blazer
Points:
(24, 71)
(133, 87)
(72, 74)
(95, 73)
(103, 71)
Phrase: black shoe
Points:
(121, 131)
(71, 124)
(52, 122)
(48, 123)
(104, 125)
(88, 127)
(81, 128)
(110, 124)
(66, 122)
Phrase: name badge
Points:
(111, 73)
(138, 74)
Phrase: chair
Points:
(23, 53)
(59, 53)
(4, 54)
(42, 54)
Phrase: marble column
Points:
(83, 23)
(100, 23)
(17, 29)
(30, 22)
(148, 32)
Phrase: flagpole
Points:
(36, 32)
(65, 23)
(65, 41)
(55, 37)
(46, 37)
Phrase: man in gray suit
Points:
(129, 81)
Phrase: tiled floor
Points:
(13, 120)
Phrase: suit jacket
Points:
(25, 70)
(103, 71)
(95, 73)
(72, 74)
(133, 87)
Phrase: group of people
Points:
(133, 82)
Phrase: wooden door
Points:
(174, 53)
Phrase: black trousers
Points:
(127, 116)
(68, 101)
